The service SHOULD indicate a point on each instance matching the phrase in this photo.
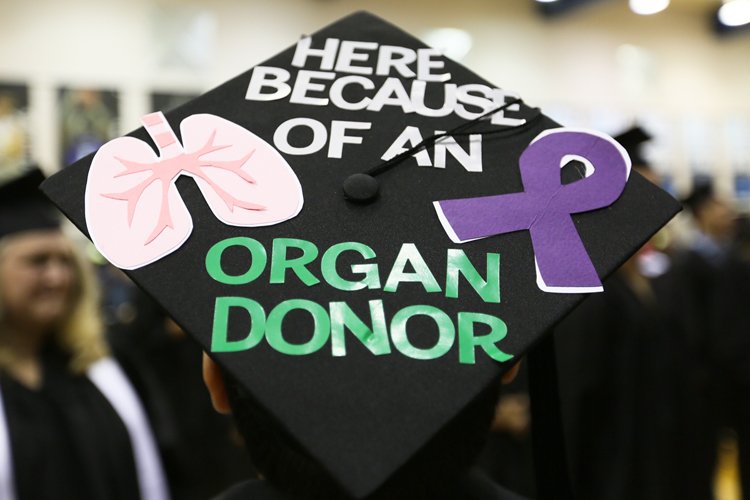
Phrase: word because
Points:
(420, 67)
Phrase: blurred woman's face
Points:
(37, 279)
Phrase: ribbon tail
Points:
(445, 222)
(562, 263)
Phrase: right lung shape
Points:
(135, 214)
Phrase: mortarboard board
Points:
(23, 207)
(362, 288)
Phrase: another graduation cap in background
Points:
(633, 140)
(702, 193)
(362, 321)
(23, 207)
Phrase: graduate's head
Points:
(38, 280)
(435, 470)
(46, 288)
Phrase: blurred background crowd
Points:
(655, 373)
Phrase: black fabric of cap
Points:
(362, 416)
(23, 207)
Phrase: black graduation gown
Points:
(731, 355)
(66, 440)
(473, 486)
(615, 383)
(693, 285)
(508, 459)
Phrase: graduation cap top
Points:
(633, 140)
(364, 320)
(23, 207)
(702, 192)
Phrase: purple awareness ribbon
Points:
(544, 207)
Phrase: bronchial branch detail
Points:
(173, 162)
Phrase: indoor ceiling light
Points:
(735, 13)
(648, 7)
(452, 42)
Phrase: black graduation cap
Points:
(364, 320)
(632, 140)
(702, 192)
(23, 207)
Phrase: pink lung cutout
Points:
(134, 212)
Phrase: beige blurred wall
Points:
(600, 66)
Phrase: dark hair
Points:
(433, 472)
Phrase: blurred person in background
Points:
(202, 450)
(616, 380)
(731, 349)
(71, 425)
(695, 291)
(507, 456)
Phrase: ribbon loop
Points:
(545, 206)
